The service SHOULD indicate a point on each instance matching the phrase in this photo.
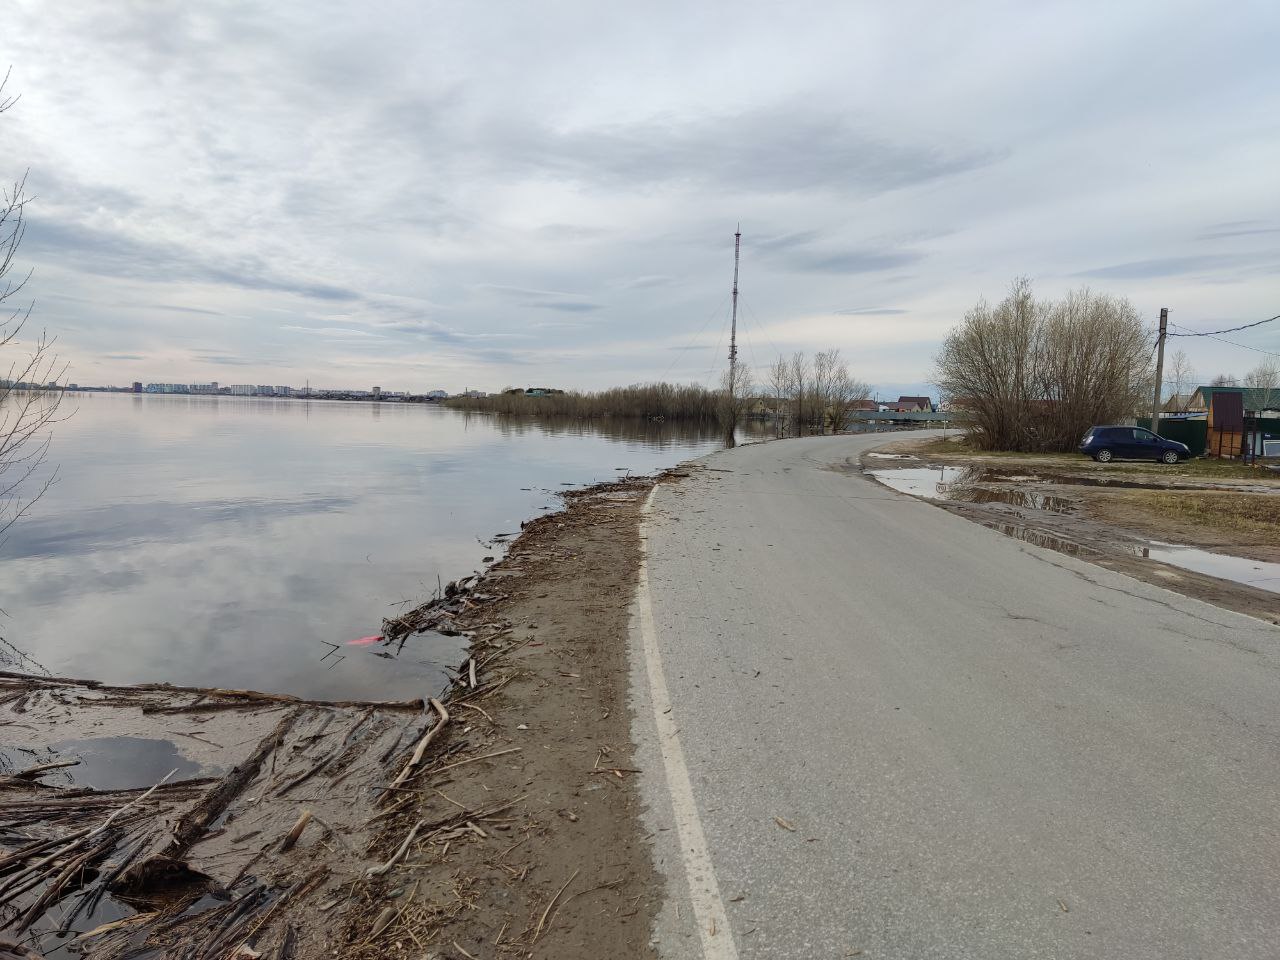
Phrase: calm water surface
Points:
(225, 541)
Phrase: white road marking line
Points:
(704, 891)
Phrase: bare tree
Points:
(799, 384)
(821, 393)
(30, 392)
(1035, 375)
(735, 396)
(1265, 379)
(1181, 378)
(846, 393)
(1224, 380)
(780, 385)
(824, 376)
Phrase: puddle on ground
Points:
(931, 482)
(1253, 573)
(1029, 499)
(890, 456)
(106, 763)
(1042, 538)
(968, 485)
(964, 485)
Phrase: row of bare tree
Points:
(815, 395)
(1264, 378)
(1034, 375)
(688, 402)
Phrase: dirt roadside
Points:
(1119, 515)
(560, 869)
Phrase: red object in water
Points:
(363, 641)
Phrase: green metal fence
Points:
(1194, 433)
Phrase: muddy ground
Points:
(1112, 514)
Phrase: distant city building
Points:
(437, 395)
(256, 390)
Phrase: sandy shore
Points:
(563, 871)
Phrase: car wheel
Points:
(1103, 456)
(1170, 456)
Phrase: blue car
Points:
(1105, 444)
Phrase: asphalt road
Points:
(986, 749)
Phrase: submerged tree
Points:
(30, 391)
(819, 394)
(735, 396)
(780, 387)
(1032, 374)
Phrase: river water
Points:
(231, 542)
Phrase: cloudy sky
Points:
(422, 195)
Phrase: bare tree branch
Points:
(31, 389)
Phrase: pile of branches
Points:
(78, 844)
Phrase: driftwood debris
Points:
(185, 851)
(423, 744)
(207, 696)
(165, 861)
(292, 836)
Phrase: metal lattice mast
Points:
(733, 326)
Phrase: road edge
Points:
(681, 854)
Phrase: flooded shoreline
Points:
(236, 542)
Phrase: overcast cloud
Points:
(422, 195)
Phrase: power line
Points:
(760, 328)
(1213, 333)
(1243, 346)
(688, 344)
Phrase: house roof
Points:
(923, 401)
(1255, 398)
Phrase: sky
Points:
(462, 195)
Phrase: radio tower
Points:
(733, 327)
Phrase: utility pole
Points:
(1155, 403)
(733, 326)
